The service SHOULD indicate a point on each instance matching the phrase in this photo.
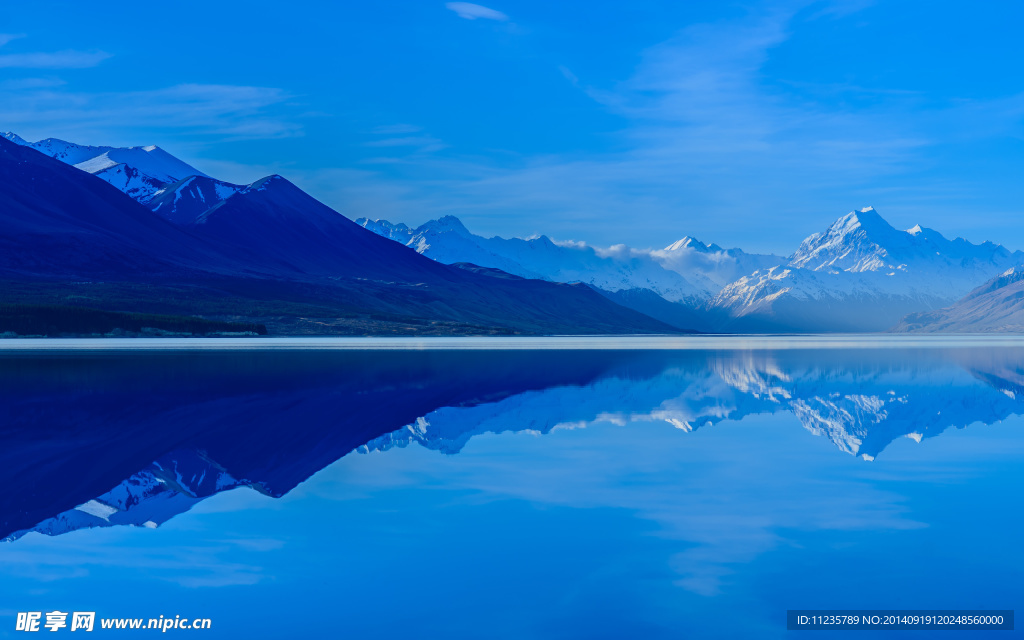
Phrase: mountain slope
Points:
(860, 274)
(995, 307)
(448, 241)
(137, 171)
(711, 264)
(60, 225)
(285, 230)
(292, 234)
(56, 221)
(185, 200)
(681, 316)
(863, 241)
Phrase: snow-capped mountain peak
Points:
(137, 171)
(862, 273)
(692, 243)
(709, 265)
(67, 152)
(863, 241)
(398, 232)
(448, 241)
(859, 241)
(446, 224)
(15, 138)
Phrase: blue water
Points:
(515, 493)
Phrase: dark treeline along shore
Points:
(64, 320)
(268, 256)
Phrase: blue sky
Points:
(750, 124)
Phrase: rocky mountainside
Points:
(995, 307)
(861, 274)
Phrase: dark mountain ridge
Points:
(62, 226)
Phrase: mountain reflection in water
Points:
(106, 439)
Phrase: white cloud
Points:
(31, 83)
(7, 37)
(569, 75)
(423, 142)
(471, 11)
(705, 137)
(56, 60)
(222, 111)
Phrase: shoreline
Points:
(536, 343)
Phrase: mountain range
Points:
(997, 306)
(268, 250)
(136, 229)
(137, 171)
(859, 274)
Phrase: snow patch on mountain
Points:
(863, 241)
(616, 268)
(137, 171)
(855, 242)
(169, 486)
(186, 200)
(860, 411)
(130, 181)
(712, 264)
(15, 138)
(862, 270)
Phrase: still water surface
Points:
(544, 492)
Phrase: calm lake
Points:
(551, 488)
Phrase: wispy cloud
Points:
(7, 37)
(708, 136)
(423, 143)
(402, 139)
(31, 83)
(221, 111)
(471, 11)
(569, 75)
(56, 60)
(67, 59)
(216, 564)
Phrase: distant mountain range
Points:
(268, 252)
(995, 307)
(686, 271)
(860, 274)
